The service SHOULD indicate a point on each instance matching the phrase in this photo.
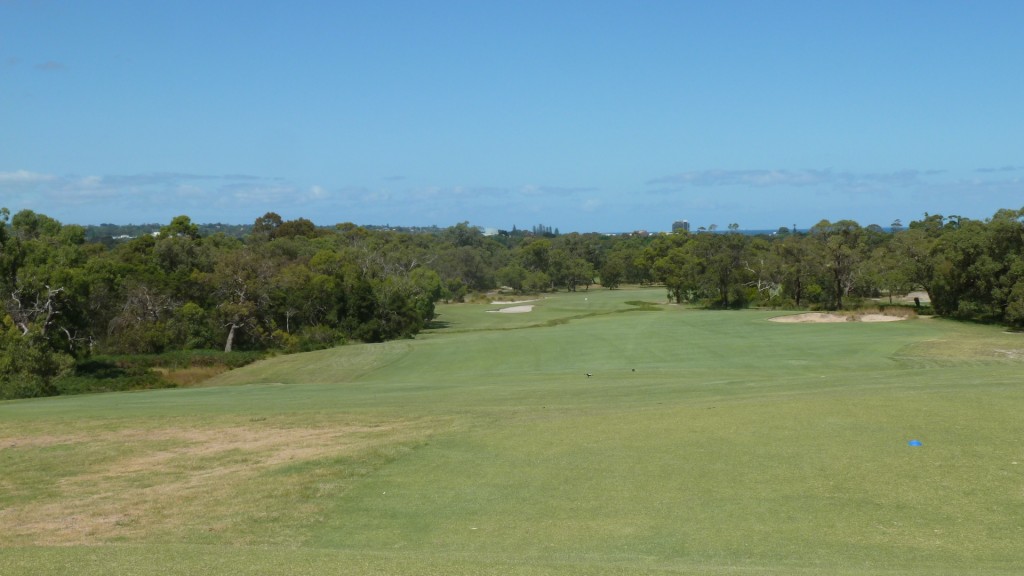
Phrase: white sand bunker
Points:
(820, 317)
(515, 309)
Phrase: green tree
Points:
(841, 256)
(264, 226)
(911, 251)
(240, 285)
(191, 328)
(462, 234)
(720, 275)
(614, 270)
(765, 271)
(962, 270)
(535, 254)
(28, 362)
(42, 326)
(513, 275)
(680, 270)
(181, 226)
(300, 227)
(796, 258)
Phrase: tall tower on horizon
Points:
(681, 226)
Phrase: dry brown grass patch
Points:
(179, 482)
(185, 377)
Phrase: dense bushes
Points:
(110, 373)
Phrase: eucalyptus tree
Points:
(763, 265)
(1005, 264)
(793, 256)
(512, 275)
(979, 268)
(841, 252)
(535, 254)
(911, 253)
(570, 261)
(958, 256)
(240, 285)
(725, 277)
(680, 270)
(630, 251)
(43, 327)
(649, 258)
(614, 270)
(141, 286)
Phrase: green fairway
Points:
(701, 442)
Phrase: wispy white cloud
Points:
(24, 177)
(367, 196)
(924, 184)
(983, 187)
(790, 178)
(51, 66)
(540, 190)
(592, 205)
(189, 191)
(275, 194)
(93, 198)
(239, 177)
(764, 195)
(1000, 169)
(155, 179)
(158, 196)
(447, 194)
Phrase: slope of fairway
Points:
(600, 433)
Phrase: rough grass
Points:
(186, 480)
(191, 376)
(702, 443)
(149, 371)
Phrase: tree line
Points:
(293, 286)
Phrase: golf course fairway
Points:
(599, 432)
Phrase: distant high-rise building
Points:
(681, 226)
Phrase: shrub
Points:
(105, 376)
(318, 338)
(110, 373)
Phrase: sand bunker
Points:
(819, 317)
(523, 306)
(515, 309)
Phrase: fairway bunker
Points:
(515, 309)
(824, 318)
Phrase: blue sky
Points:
(588, 116)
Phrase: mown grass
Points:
(702, 443)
